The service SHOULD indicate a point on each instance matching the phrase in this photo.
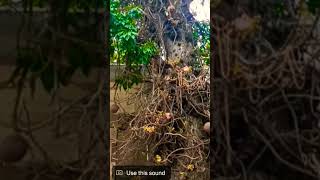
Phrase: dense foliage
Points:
(125, 47)
(73, 42)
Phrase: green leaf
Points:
(37, 64)
(66, 74)
(47, 78)
(75, 56)
(32, 84)
(125, 48)
(78, 57)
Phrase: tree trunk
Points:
(172, 23)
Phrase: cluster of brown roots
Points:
(167, 127)
(267, 94)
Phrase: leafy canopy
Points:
(125, 47)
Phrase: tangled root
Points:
(167, 128)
